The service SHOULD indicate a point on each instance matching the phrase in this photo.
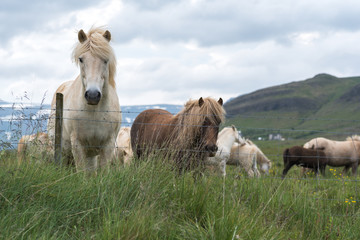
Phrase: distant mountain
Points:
(129, 113)
(322, 105)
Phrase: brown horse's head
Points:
(202, 118)
(210, 130)
(209, 136)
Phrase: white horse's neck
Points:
(226, 140)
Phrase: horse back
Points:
(307, 156)
(151, 128)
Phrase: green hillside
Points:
(320, 106)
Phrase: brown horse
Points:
(189, 136)
(308, 158)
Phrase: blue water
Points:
(20, 119)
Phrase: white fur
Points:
(89, 131)
(248, 156)
(123, 150)
(225, 140)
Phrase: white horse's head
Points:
(263, 161)
(265, 167)
(97, 63)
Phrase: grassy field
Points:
(149, 201)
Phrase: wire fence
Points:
(17, 121)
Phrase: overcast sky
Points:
(169, 51)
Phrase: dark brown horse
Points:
(309, 158)
(189, 136)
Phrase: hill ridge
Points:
(323, 96)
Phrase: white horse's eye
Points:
(106, 61)
(80, 59)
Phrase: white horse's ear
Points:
(233, 127)
(220, 101)
(201, 101)
(82, 36)
(107, 35)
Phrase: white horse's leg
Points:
(250, 173)
(257, 173)
(106, 155)
(91, 163)
(79, 156)
(246, 165)
(127, 159)
(222, 165)
(254, 166)
(82, 162)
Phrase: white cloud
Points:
(170, 51)
(306, 37)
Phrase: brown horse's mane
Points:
(190, 120)
(98, 46)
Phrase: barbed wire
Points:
(171, 149)
(174, 113)
(189, 125)
(46, 117)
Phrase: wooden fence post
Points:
(58, 127)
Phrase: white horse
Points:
(340, 153)
(35, 143)
(123, 150)
(226, 139)
(248, 156)
(91, 118)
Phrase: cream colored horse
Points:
(31, 144)
(91, 118)
(248, 156)
(123, 150)
(226, 139)
(339, 153)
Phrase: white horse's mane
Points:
(353, 138)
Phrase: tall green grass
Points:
(149, 200)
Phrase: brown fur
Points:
(191, 132)
(309, 158)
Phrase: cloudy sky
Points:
(169, 51)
